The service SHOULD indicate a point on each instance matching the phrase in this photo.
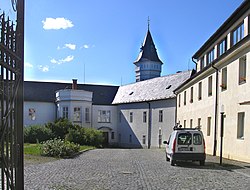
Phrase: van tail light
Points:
(174, 146)
(204, 146)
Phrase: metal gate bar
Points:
(11, 100)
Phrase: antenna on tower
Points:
(148, 22)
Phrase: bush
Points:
(37, 133)
(85, 136)
(59, 148)
(61, 127)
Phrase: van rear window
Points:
(197, 139)
(184, 139)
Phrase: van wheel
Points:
(167, 158)
(202, 162)
(172, 162)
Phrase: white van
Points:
(185, 144)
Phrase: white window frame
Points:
(240, 125)
(104, 116)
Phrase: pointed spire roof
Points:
(148, 50)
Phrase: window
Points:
(242, 70)
(210, 84)
(191, 94)
(199, 122)
(184, 139)
(77, 114)
(210, 56)
(144, 117)
(200, 91)
(224, 79)
(130, 138)
(185, 98)
(104, 116)
(113, 135)
(87, 115)
(144, 139)
(65, 112)
(191, 123)
(222, 47)
(240, 126)
(160, 115)
(208, 126)
(32, 114)
(131, 117)
(184, 123)
(197, 139)
(179, 100)
(238, 34)
(202, 64)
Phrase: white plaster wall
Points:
(71, 105)
(138, 128)
(112, 124)
(233, 148)
(44, 112)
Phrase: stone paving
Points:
(118, 169)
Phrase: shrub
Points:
(59, 148)
(37, 133)
(85, 136)
(61, 127)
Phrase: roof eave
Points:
(224, 27)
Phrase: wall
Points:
(106, 127)
(44, 112)
(137, 129)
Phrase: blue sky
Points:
(97, 41)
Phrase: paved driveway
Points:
(133, 169)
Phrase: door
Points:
(105, 139)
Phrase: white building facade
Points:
(220, 90)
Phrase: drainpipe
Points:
(149, 124)
(216, 110)
(176, 105)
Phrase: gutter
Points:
(216, 110)
(149, 124)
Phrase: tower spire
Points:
(148, 22)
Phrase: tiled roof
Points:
(148, 50)
(149, 90)
(45, 91)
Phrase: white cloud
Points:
(43, 68)
(28, 65)
(70, 46)
(57, 23)
(60, 61)
(86, 46)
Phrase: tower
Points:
(147, 65)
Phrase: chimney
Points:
(74, 84)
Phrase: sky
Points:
(97, 41)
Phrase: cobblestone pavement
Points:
(119, 169)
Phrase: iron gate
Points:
(11, 102)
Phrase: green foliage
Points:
(61, 127)
(32, 149)
(85, 136)
(37, 133)
(59, 148)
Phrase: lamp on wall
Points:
(222, 112)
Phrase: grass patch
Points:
(32, 149)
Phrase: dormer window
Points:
(202, 63)
(238, 34)
(168, 87)
(210, 56)
(222, 47)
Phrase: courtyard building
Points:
(220, 90)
